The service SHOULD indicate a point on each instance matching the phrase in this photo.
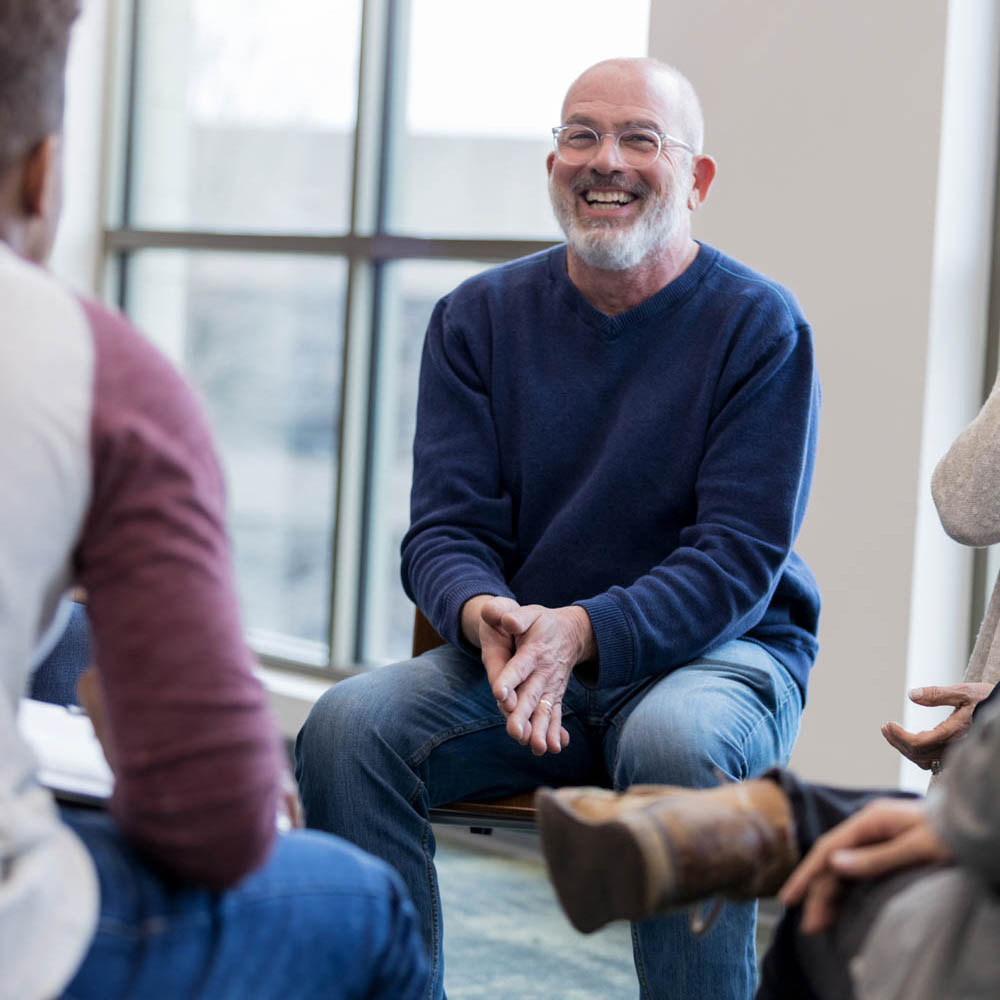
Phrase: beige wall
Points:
(827, 120)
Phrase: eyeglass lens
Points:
(638, 147)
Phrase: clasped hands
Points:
(529, 652)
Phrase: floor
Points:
(505, 936)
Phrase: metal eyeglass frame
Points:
(662, 138)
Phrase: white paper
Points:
(70, 758)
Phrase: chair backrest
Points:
(424, 636)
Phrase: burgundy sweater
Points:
(197, 753)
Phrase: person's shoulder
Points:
(733, 277)
(137, 386)
(116, 337)
(125, 356)
(45, 350)
(506, 278)
(37, 307)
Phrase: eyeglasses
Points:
(638, 147)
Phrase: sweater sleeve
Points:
(964, 804)
(461, 536)
(751, 491)
(197, 753)
(966, 482)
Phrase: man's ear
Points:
(39, 175)
(703, 169)
(549, 160)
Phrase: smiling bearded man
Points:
(613, 453)
(606, 237)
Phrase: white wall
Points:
(76, 255)
(826, 120)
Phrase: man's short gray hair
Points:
(34, 38)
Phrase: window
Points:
(300, 182)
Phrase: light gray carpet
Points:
(505, 936)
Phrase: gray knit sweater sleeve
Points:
(966, 482)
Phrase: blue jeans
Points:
(55, 677)
(319, 919)
(380, 749)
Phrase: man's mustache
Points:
(612, 182)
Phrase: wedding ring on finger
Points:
(545, 701)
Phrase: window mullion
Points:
(353, 422)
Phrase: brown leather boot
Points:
(634, 854)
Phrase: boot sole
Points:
(602, 870)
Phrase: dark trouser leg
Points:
(816, 967)
(55, 678)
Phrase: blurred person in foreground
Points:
(183, 887)
(895, 897)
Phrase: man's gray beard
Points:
(609, 247)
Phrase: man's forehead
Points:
(620, 117)
(629, 94)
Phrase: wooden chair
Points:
(514, 812)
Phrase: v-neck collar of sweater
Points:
(655, 307)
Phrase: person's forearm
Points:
(198, 760)
(460, 542)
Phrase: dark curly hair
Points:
(34, 37)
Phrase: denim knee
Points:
(350, 716)
(357, 744)
(677, 750)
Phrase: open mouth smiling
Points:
(607, 199)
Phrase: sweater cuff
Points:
(450, 625)
(615, 644)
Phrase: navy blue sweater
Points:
(652, 467)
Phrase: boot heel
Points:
(602, 870)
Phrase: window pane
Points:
(485, 85)
(411, 290)
(261, 336)
(245, 114)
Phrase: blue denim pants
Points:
(319, 919)
(382, 748)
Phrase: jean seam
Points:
(160, 924)
(151, 927)
(435, 895)
(433, 742)
(789, 691)
(640, 965)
